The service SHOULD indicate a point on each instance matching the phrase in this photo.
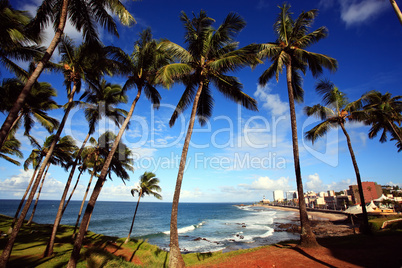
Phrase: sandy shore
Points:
(313, 215)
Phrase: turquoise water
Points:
(202, 227)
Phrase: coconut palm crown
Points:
(384, 114)
(210, 54)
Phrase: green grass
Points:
(31, 242)
(376, 223)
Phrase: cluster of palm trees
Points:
(206, 62)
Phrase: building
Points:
(371, 191)
(278, 196)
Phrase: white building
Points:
(278, 195)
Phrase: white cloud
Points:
(314, 182)
(355, 12)
(17, 185)
(118, 192)
(271, 102)
(265, 183)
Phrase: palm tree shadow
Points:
(135, 251)
(203, 256)
(301, 251)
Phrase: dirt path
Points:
(128, 255)
(373, 251)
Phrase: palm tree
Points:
(16, 42)
(121, 162)
(100, 100)
(148, 56)
(84, 16)
(85, 61)
(62, 155)
(38, 102)
(384, 112)
(148, 186)
(334, 113)
(288, 51)
(210, 54)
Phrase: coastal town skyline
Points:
(239, 154)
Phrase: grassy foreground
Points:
(96, 252)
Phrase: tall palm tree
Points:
(84, 16)
(148, 186)
(120, 163)
(16, 42)
(384, 112)
(86, 61)
(38, 102)
(210, 54)
(333, 113)
(148, 56)
(289, 51)
(62, 155)
(100, 100)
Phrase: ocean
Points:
(203, 227)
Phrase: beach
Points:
(313, 215)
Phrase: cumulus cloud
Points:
(15, 186)
(265, 183)
(271, 102)
(314, 182)
(355, 12)
(17, 183)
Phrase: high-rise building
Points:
(278, 195)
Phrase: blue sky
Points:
(240, 155)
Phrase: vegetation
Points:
(207, 62)
(32, 239)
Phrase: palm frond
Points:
(318, 131)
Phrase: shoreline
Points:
(312, 215)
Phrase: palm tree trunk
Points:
(38, 195)
(23, 198)
(132, 223)
(72, 192)
(175, 258)
(307, 237)
(397, 10)
(365, 227)
(85, 197)
(13, 114)
(75, 254)
(10, 243)
(49, 248)
(14, 123)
